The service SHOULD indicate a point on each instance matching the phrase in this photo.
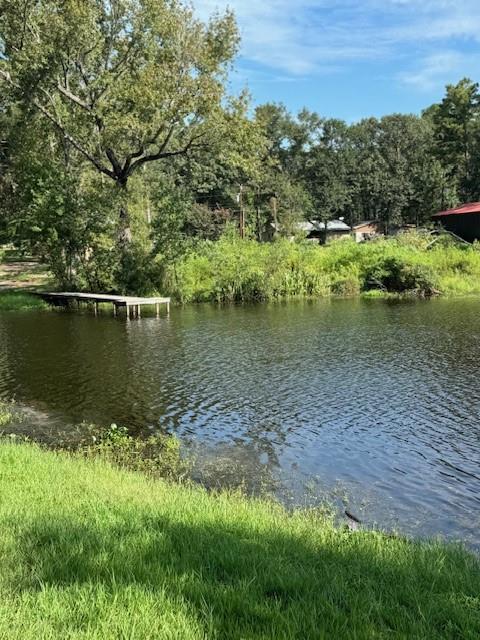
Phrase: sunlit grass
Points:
(234, 270)
(92, 552)
(19, 272)
(19, 301)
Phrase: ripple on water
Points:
(383, 399)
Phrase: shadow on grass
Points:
(266, 585)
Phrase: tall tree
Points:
(326, 170)
(124, 82)
(456, 126)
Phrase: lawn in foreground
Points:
(90, 551)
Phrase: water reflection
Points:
(382, 399)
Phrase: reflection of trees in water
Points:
(68, 362)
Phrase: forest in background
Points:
(121, 149)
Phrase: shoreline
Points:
(112, 547)
(245, 271)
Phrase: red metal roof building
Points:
(463, 220)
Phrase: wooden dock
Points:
(131, 304)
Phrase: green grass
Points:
(18, 301)
(22, 273)
(233, 270)
(91, 551)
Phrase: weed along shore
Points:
(411, 264)
(92, 551)
(233, 270)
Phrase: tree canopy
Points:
(120, 144)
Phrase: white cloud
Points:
(307, 37)
(433, 70)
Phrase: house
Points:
(314, 230)
(463, 221)
(367, 230)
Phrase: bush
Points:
(232, 270)
(157, 456)
(10, 414)
(397, 276)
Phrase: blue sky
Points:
(353, 58)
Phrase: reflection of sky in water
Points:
(379, 399)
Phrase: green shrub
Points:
(395, 275)
(158, 455)
(232, 270)
(9, 414)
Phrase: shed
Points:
(463, 221)
(367, 230)
(315, 230)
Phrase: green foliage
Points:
(120, 149)
(457, 134)
(7, 414)
(18, 301)
(157, 456)
(127, 83)
(394, 275)
(89, 551)
(109, 89)
(231, 270)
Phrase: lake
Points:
(372, 403)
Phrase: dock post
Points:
(96, 308)
(127, 307)
(114, 310)
(168, 307)
(157, 307)
(139, 313)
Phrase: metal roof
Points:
(364, 223)
(470, 207)
(316, 225)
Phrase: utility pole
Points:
(257, 210)
(242, 212)
(273, 204)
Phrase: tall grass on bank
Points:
(93, 552)
(18, 301)
(232, 270)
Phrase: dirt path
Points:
(23, 275)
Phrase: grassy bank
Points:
(235, 270)
(90, 551)
(19, 278)
(18, 301)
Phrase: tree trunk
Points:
(124, 228)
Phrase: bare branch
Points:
(73, 98)
(58, 124)
(146, 144)
(161, 154)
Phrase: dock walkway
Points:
(132, 304)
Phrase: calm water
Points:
(374, 401)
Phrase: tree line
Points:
(120, 146)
